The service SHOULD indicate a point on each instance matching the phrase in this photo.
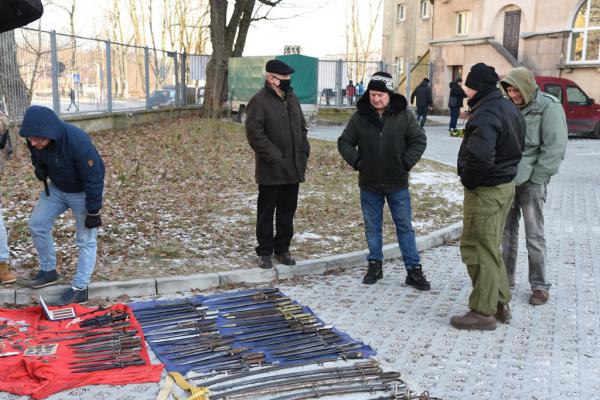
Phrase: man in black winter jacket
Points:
(424, 100)
(383, 141)
(487, 164)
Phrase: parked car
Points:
(583, 113)
(160, 97)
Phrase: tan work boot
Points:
(539, 297)
(474, 321)
(6, 276)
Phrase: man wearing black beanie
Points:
(383, 141)
(487, 164)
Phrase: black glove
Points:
(40, 173)
(93, 221)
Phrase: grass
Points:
(180, 198)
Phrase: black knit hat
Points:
(381, 82)
(482, 77)
(278, 67)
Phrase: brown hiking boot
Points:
(6, 276)
(474, 321)
(539, 297)
(503, 313)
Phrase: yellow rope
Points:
(198, 393)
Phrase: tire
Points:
(242, 115)
(596, 133)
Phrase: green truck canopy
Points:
(246, 76)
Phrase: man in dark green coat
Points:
(276, 131)
(383, 141)
(487, 164)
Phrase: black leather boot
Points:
(374, 272)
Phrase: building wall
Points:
(543, 44)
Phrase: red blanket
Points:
(41, 376)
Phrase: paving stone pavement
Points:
(546, 352)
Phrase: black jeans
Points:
(281, 201)
(421, 115)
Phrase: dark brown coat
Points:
(276, 131)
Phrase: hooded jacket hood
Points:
(522, 79)
(41, 121)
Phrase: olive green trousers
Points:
(485, 210)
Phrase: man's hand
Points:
(93, 221)
(40, 173)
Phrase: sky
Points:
(318, 26)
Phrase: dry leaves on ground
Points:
(180, 198)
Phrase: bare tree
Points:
(70, 9)
(228, 39)
(358, 39)
(13, 89)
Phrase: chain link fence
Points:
(73, 74)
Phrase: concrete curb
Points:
(175, 284)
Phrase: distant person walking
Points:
(73, 102)
(487, 164)
(360, 90)
(350, 92)
(424, 100)
(383, 141)
(455, 101)
(276, 131)
(545, 146)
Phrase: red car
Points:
(583, 113)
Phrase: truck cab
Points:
(582, 112)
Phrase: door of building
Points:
(512, 22)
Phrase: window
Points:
(576, 96)
(462, 22)
(401, 14)
(424, 9)
(400, 64)
(554, 90)
(584, 43)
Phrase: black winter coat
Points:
(276, 131)
(383, 151)
(457, 95)
(493, 142)
(423, 95)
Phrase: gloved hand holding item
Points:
(40, 173)
(93, 221)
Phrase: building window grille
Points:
(584, 41)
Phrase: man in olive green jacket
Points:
(545, 145)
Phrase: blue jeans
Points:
(529, 201)
(454, 113)
(400, 208)
(45, 213)
(4, 253)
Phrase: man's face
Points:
(469, 92)
(379, 100)
(275, 79)
(39, 142)
(515, 95)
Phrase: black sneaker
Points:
(43, 278)
(72, 295)
(264, 262)
(417, 279)
(374, 272)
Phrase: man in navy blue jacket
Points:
(65, 154)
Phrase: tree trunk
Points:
(12, 88)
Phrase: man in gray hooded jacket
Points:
(545, 145)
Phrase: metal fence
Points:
(73, 74)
